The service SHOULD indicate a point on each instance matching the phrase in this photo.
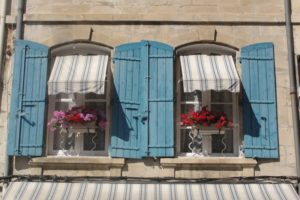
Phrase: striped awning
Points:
(203, 72)
(78, 74)
(153, 191)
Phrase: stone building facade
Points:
(233, 24)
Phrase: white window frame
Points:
(206, 140)
(79, 47)
(205, 101)
(78, 150)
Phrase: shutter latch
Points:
(21, 114)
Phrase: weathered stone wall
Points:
(5, 94)
(215, 9)
(238, 23)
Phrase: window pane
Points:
(221, 96)
(190, 96)
(62, 95)
(185, 141)
(222, 143)
(63, 106)
(95, 96)
(198, 145)
(219, 108)
(101, 106)
(186, 108)
(64, 141)
(94, 141)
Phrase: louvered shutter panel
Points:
(125, 135)
(160, 100)
(259, 101)
(27, 111)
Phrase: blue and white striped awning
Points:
(148, 191)
(203, 72)
(78, 74)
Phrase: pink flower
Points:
(89, 117)
(59, 115)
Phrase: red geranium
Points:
(205, 118)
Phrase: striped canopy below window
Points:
(203, 72)
(78, 74)
(150, 191)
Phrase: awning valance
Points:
(151, 191)
(78, 74)
(203, 72)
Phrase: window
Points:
(78, 83)
(211, 142)
(79, 139)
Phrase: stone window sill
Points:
(105, 166)
(78, 161)
(216, 161)
(208, 167)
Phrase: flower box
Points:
(202, 120)
(77, 117)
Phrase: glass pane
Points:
(186, 108)
(191, 96)
(62, 95)
(101, 106)
(95, 96)
(63, 106)
(185, 141)
(94, 141)
(222, 143)
(64, 141)
(219, 108)
(221, 96)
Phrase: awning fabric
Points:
(78, 74)
(155, 191)
(203, 72)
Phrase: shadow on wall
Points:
(21, 163)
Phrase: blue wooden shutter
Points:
(259, 101)
(161, 100)
(143, 114)
(27, 111)
(125, 135)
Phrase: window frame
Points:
(208, 48)
(53, 99)
(81, 47)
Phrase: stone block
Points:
(284, 116)
(146, 168)
(291, 155)
(286, 136)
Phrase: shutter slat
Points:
(154, 108)
(125, 130)
(26, 120)
(259, 97)
(161, 120)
